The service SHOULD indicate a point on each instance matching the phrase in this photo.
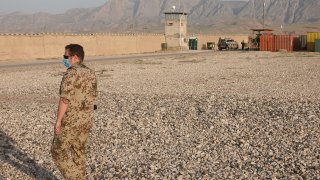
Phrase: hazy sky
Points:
(51, 6)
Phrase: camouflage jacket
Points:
(79, 86)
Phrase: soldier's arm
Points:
(63, 106)
(66, 91)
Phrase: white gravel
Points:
(218, 115)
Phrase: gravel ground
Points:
(219, 115)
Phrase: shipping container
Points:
(303, 42)
(267, 42)
(317, 45)
(270, 42)
(312, 36)
(286, 42)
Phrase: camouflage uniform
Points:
(79, 86)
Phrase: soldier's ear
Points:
(76, 58)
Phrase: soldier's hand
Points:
(57, 128)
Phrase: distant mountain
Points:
(288, 11)
(129, 16)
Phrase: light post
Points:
(264, 4)
(180, 16)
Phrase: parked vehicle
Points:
(210, 45)
(227, 44)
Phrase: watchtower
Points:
(176, 30)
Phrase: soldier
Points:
(242, 44)
(78, 91)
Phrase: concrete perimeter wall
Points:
(47, 46)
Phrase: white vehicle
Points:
(228, 44)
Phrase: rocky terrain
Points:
(215, 115)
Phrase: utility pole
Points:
(254, 10)
(180, 16)
(264, 4)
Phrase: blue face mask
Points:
(66, 63)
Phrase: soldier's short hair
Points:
(75, 49)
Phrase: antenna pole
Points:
(264, 4)
(180, 16)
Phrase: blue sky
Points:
(51, 6)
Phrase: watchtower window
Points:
(170, 24)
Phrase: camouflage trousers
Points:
(68, 152)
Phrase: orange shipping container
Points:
(286, 42)
(267, 42)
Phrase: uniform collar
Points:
(78, 64)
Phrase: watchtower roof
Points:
(262, 29)
(176, 13)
